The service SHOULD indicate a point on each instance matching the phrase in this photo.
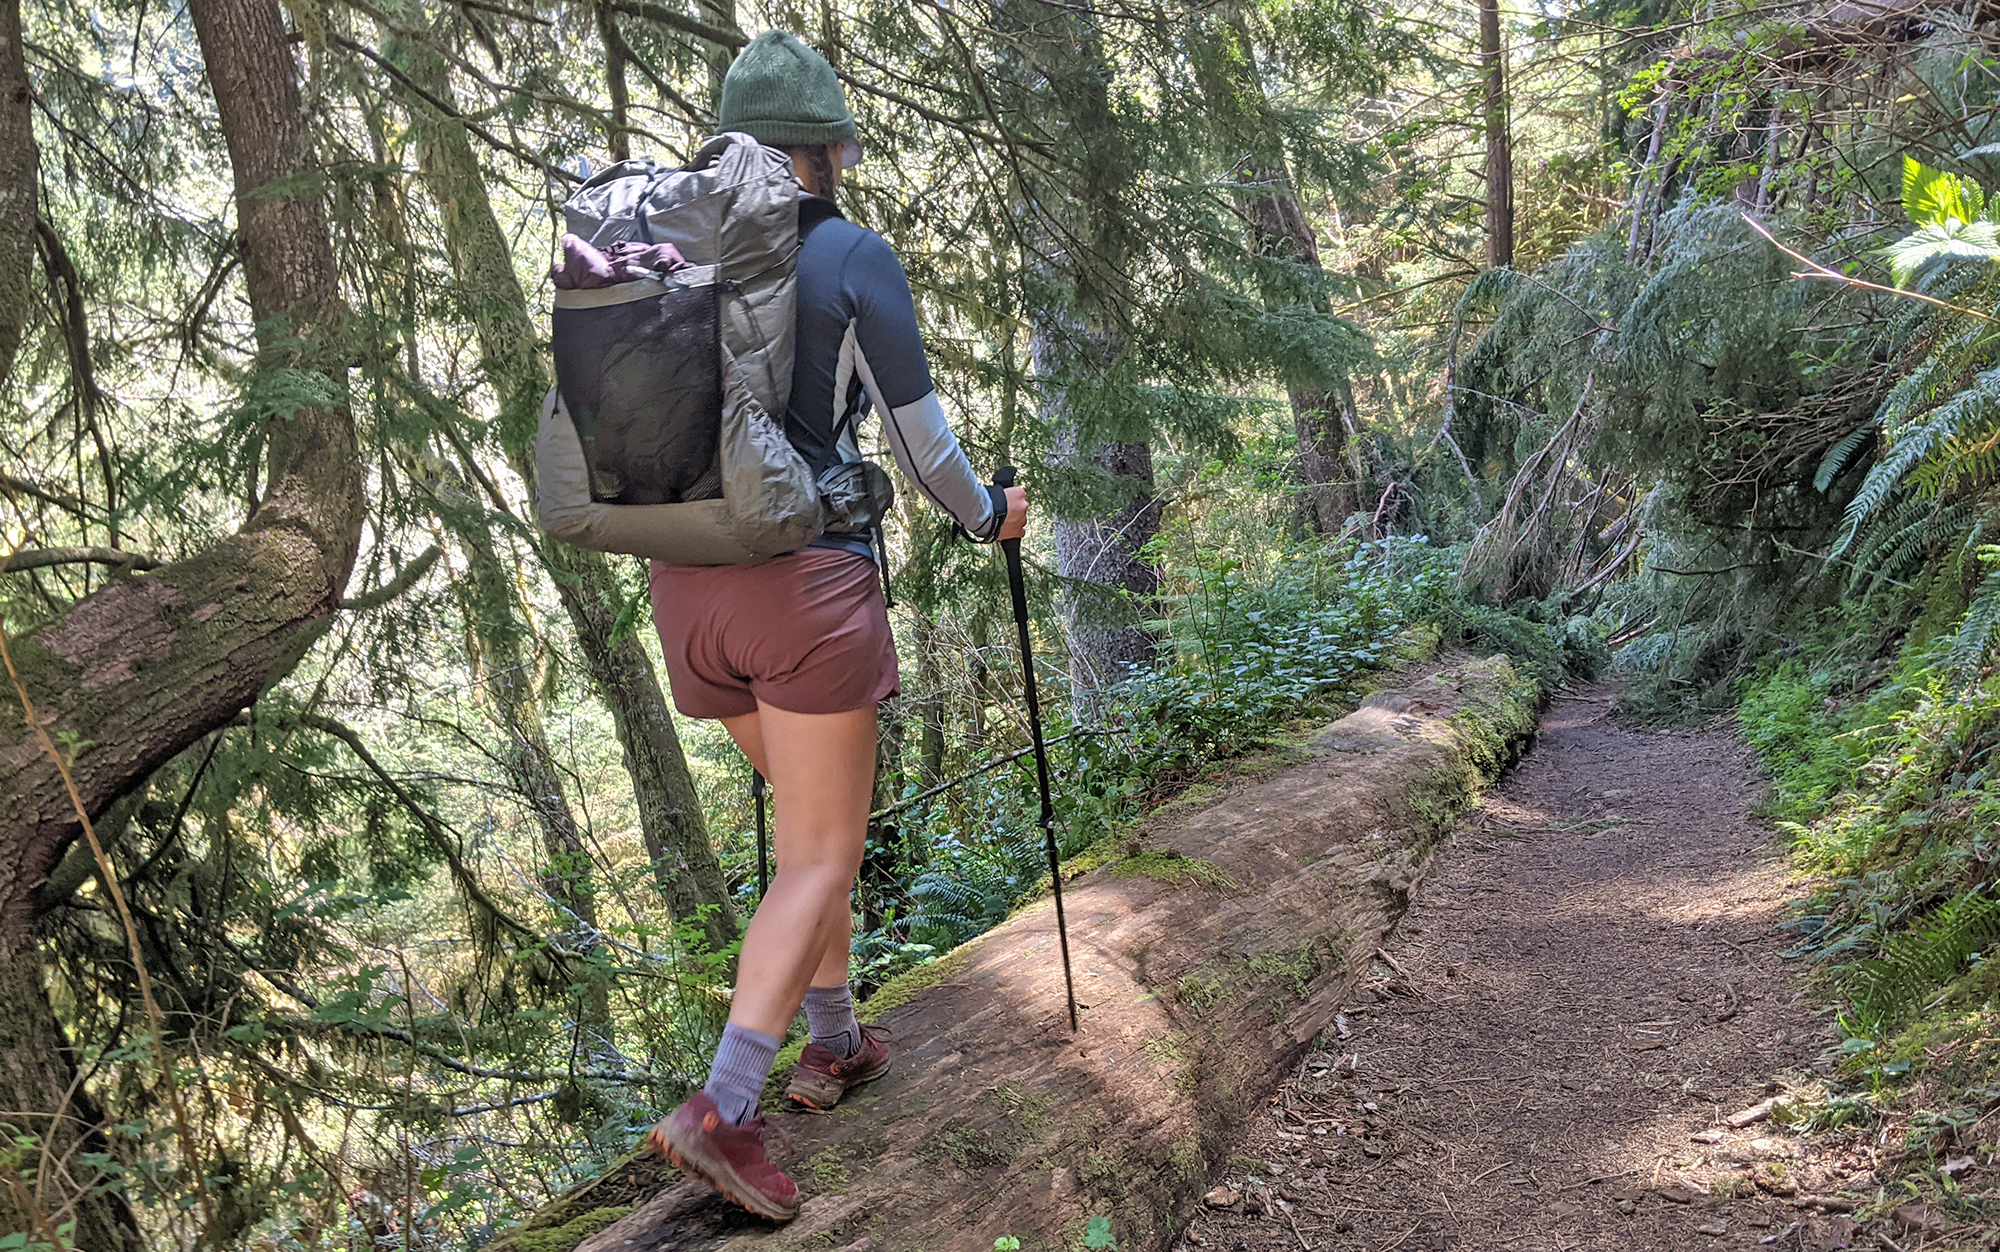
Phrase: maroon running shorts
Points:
(806, 632)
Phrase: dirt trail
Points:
(1587, 985)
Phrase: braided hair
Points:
(820, 162)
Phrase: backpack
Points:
(659, 438)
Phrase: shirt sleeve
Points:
(889, 359)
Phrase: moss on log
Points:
(1199, 991)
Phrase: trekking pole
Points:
(763, 855)
(1018, 585)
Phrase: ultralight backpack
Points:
(659, 438)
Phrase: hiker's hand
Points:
(1016, 524)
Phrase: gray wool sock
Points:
(742, 1063)
(830, 1016)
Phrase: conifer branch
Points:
(396, 586)
(41, 558)
(445, 110)
(725, 36)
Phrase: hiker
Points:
(793, 654)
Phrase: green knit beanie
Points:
(778, 91)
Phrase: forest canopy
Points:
(359, 885)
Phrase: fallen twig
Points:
(1405, 1238)
(1816, 270)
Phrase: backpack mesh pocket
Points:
(640, 372)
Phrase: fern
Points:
(1914, 966)
(973, 889)
(1976, 630)
(1973, 411)
(1839, 454)
(1900, 540)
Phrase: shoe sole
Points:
(718, 1174)
(805, 1100)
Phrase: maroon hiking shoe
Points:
(728, 1157)
(823, 1078)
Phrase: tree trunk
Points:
(718, 13)
(135, 673)
(1323, 413)
(20, 167)
(37, 1077)
(1085, 241)
(1499, 143)
(619, 140)
(670, 816)
(1108, 582)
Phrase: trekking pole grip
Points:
(1004, 478)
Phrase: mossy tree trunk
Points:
(20, 171)
(1499, 139)
(507, 676)
(135, 673)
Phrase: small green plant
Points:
(1007, 1243)
(1097, 1235)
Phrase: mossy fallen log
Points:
(1206, 962)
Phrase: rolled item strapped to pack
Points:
(674, 452)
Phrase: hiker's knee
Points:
(823, 872)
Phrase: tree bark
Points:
(1499, 142)
(1107, 582)
(670, 817)
(1323, 413)
(38, 1079)
(135, 673)
(722, 15)
(619, 141)
(20, 174)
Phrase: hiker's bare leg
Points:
(822, 767)
(832, 971)
(748, 732)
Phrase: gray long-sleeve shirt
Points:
(858, 346)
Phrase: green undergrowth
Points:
(1883, 775)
